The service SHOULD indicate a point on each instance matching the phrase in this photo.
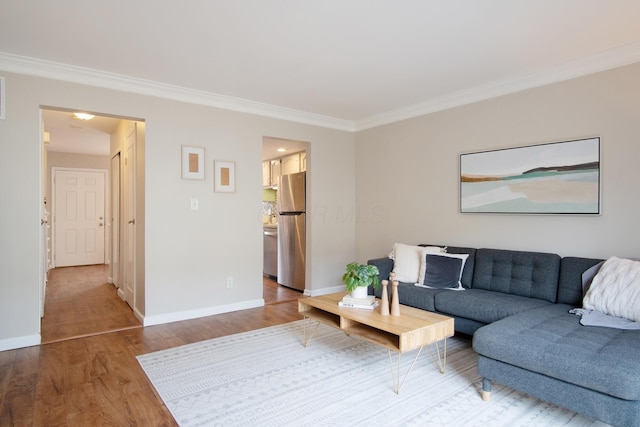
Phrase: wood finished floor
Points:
(80, 302)
(95, 379)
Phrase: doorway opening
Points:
(281, 157)
(91, 175)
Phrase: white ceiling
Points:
(344, 64)
(71, 135)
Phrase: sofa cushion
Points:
(384, 265)
(484, 306)
(413, 296)
(469, 265)
(443, 271)
(408, 261)
(526, 274)
(615, 290)
(552, 342)
(570, 282)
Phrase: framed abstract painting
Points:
(553, 178)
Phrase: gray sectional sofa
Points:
(516, 306)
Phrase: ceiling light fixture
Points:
(83, 116)
(281, 150)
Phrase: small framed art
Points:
(225, 176)
(192, 162)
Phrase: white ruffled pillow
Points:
(409, 261)
(615, 289)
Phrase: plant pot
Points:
(360, 292)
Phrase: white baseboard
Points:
(324, 291)
(20, 342)
(201, 312)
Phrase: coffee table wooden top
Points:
(413, 329)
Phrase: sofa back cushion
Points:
(570, 283)
(527, 274)
(469, 265)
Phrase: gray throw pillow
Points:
(443, 271)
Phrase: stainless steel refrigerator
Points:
(291, 230)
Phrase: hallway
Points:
(80, 302)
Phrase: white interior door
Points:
(79, 217)
(129, 247)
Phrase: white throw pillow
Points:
(615, 290)
(409, 261)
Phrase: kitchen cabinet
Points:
(270, 248)
(270, 172)
(266, 174)
(291, 164)
(275, 171)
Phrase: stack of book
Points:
(368, 303)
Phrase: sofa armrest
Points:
(385, 266)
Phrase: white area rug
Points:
(267, 378)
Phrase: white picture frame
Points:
(224, 176)
(192, 162)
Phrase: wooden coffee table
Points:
(413, 329)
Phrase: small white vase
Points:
(360, 292)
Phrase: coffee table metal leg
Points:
(304, 331)
(441, 362)
(397, 385)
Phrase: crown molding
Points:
(613, 58)
(92, 77)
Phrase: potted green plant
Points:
(358, 277)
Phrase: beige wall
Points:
(404, 188)
(407, 172)
(188, 254)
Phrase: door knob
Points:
(132, 221)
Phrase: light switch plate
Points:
(194, 204)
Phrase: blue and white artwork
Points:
(555, 178)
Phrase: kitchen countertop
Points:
(270, 225)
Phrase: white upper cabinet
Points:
(266, 174)
(275, 171)
(272, 169)
(291, 164)
(270, 172)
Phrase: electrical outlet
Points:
(229, 281)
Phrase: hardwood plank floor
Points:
(273, 293)
(79, 302)
(96, 380)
